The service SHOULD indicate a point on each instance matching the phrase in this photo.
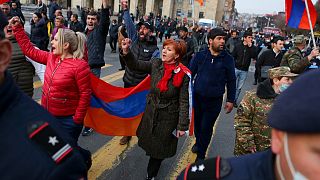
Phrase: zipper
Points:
(53, 72)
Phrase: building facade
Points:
(217, 10)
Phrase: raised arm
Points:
(25, 44)
(131, 29)
(130, 60)
(105, 19)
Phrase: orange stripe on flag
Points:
(110, 125)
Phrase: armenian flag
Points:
(116, 111)
(296, 14)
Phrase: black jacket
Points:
(21, 155)
(190, 50)
(268, 58)
(113, 32)
(265, 90)
(18, 12)
(39, 32)
(76, 26)
(96, 40)
(243, 54)
(248, 167)
(22, 71)
(143, 51)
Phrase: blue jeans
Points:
(241, 77)
(68, 124)
(96, 71)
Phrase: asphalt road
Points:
(112, 161)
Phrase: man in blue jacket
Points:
(212, 70)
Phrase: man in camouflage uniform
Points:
(294, 58)
(252, 130)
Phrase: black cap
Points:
(183, 28)
(215, 32)
(247, 33)
(3, 23)
(296, 110)
(147, 25)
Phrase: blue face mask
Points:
(283, 87)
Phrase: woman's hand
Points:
(15, 21)
(125, 45)
(180, 133)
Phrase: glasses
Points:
(5, 9)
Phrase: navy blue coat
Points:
(96, 40)
(211, 74)
(249, 167)
(21, 157)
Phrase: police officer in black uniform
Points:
(32, 145)
(295, 147)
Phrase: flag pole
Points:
(310, 24)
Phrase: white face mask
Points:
(295, 174)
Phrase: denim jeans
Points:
(241, 77)
(68, 124)
(96, 71)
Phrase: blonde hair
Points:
(76, 42)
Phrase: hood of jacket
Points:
(265, 90)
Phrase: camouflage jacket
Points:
(295, 61)
(252, 130)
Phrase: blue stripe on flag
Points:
(128, 107)
(296, 14)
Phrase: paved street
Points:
(115, 162)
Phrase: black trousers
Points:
(122, 63)
(113, 43)
(207, 110)
(153, 166)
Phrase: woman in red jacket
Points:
(67, 88)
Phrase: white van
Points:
(207, 22)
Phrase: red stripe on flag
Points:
(304, 23)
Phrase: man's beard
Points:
(216, 49)
(144, 38)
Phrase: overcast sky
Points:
(260, 6)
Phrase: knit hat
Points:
(3, 23)
(296, 110)
(215, 32)
(183, 28)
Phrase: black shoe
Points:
(194, 149)
(87, 131)
(198, 159)
(149, 178)
(121, 69)
(235, 105)
(255, 83)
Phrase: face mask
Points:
(283, 87)
(295, 174)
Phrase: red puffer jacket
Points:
(67, 86)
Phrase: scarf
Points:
(169, 70)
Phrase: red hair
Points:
(178, 45)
